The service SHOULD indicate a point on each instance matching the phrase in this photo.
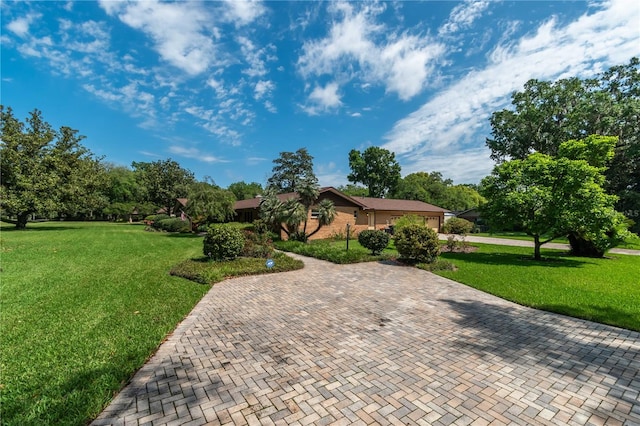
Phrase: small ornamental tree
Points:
(417, 244)
(223, 242)
(457, 225)
(374, 240)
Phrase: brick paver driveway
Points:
(380, 344)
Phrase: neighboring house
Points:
(472, 215)
(359, 212)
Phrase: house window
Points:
(355, 214)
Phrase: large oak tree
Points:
(376, 168)
(545, 114)
(46, 172)
(163, 181)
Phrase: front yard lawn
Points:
(336, 251)
(602, 290)
(84, 305)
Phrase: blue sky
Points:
(223, 87)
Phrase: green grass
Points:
(205, 271)
(336, 251)
(84, 305)
(515, 236)
(631, 243)
(602, 290)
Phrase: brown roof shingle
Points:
(391, 204)
(367, 203)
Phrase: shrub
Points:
(438, 265)
(406, 220)
(257, 244)
(374, 240)
(452, 244)
(457, 225)
(153, 218)
(417, 243)
(223, 242)
(174, 224)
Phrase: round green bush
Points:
(223, 242)
(174, 224)
(417, 244)
(457, 225)
(374, 240)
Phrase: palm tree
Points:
(294, 212)
(326, 215)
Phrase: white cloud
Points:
(256, 58)
(254, 161)
(195, 154)
(356, 114)
(324, 99)
(458, 114)
(215, 123)
(269, 106)
(358, 47)
(183, 32)
(20, 26)
(243, 12)
(462, 166)
(463, 15)
(131, 97)
(263, 89)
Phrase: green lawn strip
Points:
(335, 251)
(520, 236)
(631, 243)
(205, 271)
(83, 306)
(602, 290)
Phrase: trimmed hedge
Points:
(417, 244)
(457, 225)
(374, 240)
(223, 242)
(174, 224)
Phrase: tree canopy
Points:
(244, 191)
(290, 170)
(46, 172)
(546, 114)
(549, 197)
(207, 203)
(353, 190)
(376, 168)
(434, 189)
(292, 215)
(163, 181)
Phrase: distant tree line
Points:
(567, 153)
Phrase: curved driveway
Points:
(377, 343)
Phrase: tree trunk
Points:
(583, 248)
(536, 247)
(23, 218)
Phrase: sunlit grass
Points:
(603, 290)
(83, 306)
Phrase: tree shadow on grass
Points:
(601, 314)
(37, 228)
(182, 235)
(513, 259)
(576, 353)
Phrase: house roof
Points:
(366, 203)
(391, 204)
